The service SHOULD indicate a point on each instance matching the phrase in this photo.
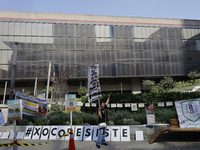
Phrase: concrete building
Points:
(129, 49)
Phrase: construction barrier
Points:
(33, 144)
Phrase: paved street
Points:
(90, 145)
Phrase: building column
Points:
(136, 85)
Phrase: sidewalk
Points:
(91, 145)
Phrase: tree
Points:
(59, 76)
(167, 83)
(45, 90)
(193, 75)
(148, 84)
(82, 91)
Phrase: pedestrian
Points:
(103, 120)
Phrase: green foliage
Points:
(163, 115)
(39, 121)
(82, 91)
(56, 107)
(167, 83)
(23, 122)
(117, 116)
(45, 90)
(164, 85)
(193, 75)
(148, 84)
(28, 93)
(57, 118)
(84, 99)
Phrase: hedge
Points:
(117, 116)
(143, 98)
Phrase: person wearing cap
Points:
(103, 120)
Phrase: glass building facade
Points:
(123, 50)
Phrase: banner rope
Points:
(32, 144)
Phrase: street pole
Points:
(35, 87)
(47, 92)
(12, 85)
(4, 96)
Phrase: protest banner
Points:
(14, 110)
(94, 89)
(150, 113)
(33, 106)
(188, 112)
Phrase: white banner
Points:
(188, 112)
(94, 89)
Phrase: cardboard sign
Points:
(87, 104)
(37, 132)
(140, 104)
(107, 136)
(68, 129)
(14, 110)
(28, 132)
(133, 106)
(119, 105)
(20, 135)
(79, 104)
(127, 105)
(5, 135)
(79, 133)
(53, 133)
(161, 104)
(169, 104)
(113, 106)
(93, 104)
(45, 132)
(125, 133)
(1, 133)
(150, 119)
(62, 130)
(115, 133)
(70, 101)
(12, 134)
(95, 133)
(87, 133)
(188, 112)
(139, 136)
(108, 105)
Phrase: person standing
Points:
(103, 120)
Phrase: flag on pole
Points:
(94, 89)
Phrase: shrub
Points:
(148, 84)
(23, 122)
(167, 83)
(40, 121)
(57, 118)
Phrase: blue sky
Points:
(179, 9)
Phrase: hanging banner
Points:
(188, 112)
(150, 113)
(33, 106)
(94, 89)
(14, 110)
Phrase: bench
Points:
(174, 128)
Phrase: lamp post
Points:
(12, 85)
